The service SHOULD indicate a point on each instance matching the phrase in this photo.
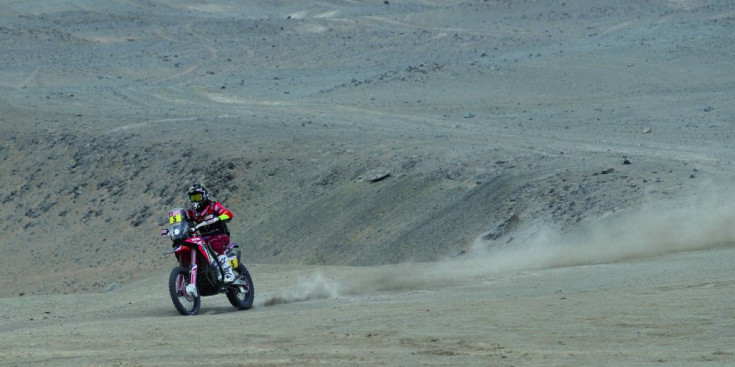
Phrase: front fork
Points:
(191, 287)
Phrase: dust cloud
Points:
(704, 220)
(306, 289)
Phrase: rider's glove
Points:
(164, 232)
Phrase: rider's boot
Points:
(227, 268)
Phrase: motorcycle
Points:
(199, 274)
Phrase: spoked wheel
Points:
(241, 296)
(185, 303)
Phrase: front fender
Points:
(199, 243)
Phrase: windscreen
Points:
(178, 224)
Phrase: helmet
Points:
(198, 195)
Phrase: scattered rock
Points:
(500, 228)
(110, 287)
(377, 177)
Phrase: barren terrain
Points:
(460, 182)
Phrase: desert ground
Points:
(458, 182)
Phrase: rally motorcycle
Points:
(199, 274)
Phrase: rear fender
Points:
(233, 247)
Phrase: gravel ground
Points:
(477, 182)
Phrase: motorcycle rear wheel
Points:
(241, 296)
(184, 303)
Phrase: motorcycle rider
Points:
(211, 218)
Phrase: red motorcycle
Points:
(199, 274)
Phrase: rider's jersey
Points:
(214, 208)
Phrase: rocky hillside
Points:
(348, 134)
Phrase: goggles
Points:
(195, 197)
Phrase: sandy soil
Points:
(457, 182)
(672, 310)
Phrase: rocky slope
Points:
(347, 134)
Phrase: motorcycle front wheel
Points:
(185, 303)
(241, 296)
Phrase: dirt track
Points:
(555, 180)
(671, 310)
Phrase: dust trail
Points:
(698, 222)
(319, 287)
